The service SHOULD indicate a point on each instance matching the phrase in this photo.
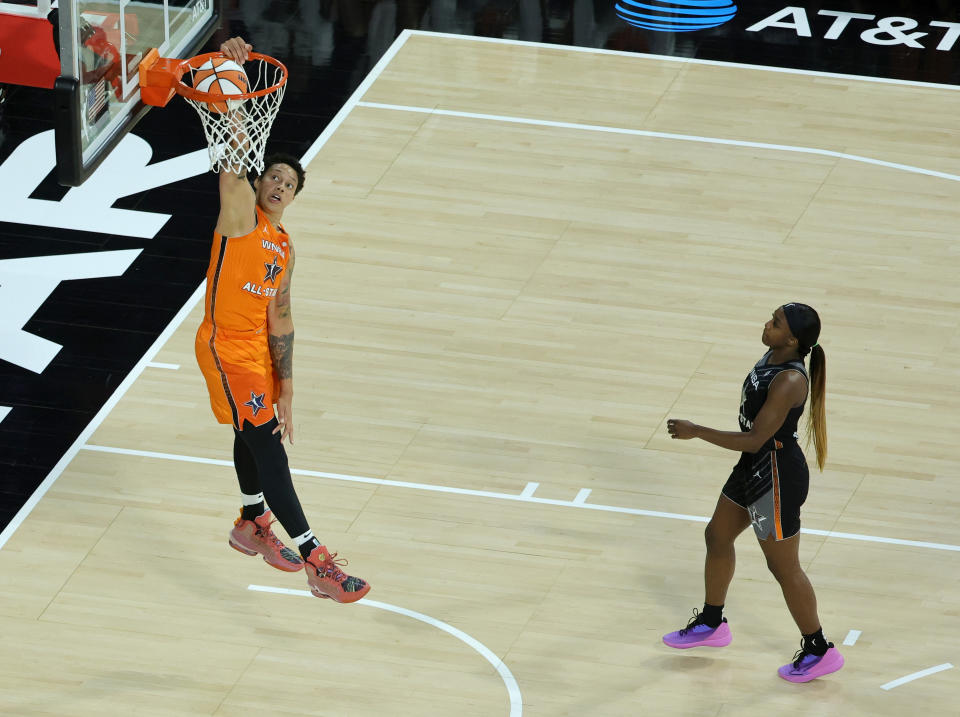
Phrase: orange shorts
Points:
(239, 374)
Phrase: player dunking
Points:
(245, 349)
(767, 487)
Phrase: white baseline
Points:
(916, 676)
(664, 135)
(516, 699)
(526, 496)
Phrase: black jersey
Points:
(754, 394)
(757, 469)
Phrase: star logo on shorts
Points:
(273, 270)
(255, 402)
(756, 518)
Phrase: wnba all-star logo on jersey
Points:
(255, 403)
(678, 16)
(258, 290)
(273, 271)
(270, 246)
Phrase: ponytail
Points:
(804, 323)
(817, 421)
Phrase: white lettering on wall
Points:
(894, 30)
(90, 207)
(840, 22)
(26, 283)
(800, 24)
(950, 37)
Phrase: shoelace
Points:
(697, 619)
(269, 535)
(804, 651)
(331, 568)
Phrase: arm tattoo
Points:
(283, 301)
(281, 352)
(283, 296)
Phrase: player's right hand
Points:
(684, 430)
(236, 49)
(284, 405)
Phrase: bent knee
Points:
(785, 570)
(715, 538)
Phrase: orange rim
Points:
(195, 62)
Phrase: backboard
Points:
(102, 42)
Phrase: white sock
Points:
(307, 537)
(251, 499)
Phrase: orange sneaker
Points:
(254, 536)
(327, 580)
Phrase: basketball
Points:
(221, 76)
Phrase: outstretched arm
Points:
(789, 389)
(237, 199)
(280, 337)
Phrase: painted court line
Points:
(513, 689)
(524, 497)
(852, 637)
(355, 98)
(916, 676)
(169, 366)
(71, 453)
(686, 60)
(664, 135)
(581, 497)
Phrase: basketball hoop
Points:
(236, 125)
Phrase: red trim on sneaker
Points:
(256, 536)
(327, 580)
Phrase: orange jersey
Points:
(243, 278)
(244, 275)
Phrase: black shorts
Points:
(771, 487)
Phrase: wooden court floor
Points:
(514, 263)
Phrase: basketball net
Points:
(237, 138)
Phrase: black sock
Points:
(251, 512)
(307, 547)
(712, 615)
(815, 643)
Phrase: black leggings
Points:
(261, 464)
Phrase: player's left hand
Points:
(684, 430)
(236, 49)
(285, 417)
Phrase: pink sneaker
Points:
(327, 580)
(806, 666)
(697, 634)
(254, 536)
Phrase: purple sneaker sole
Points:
(699, 636)
(811, 667)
